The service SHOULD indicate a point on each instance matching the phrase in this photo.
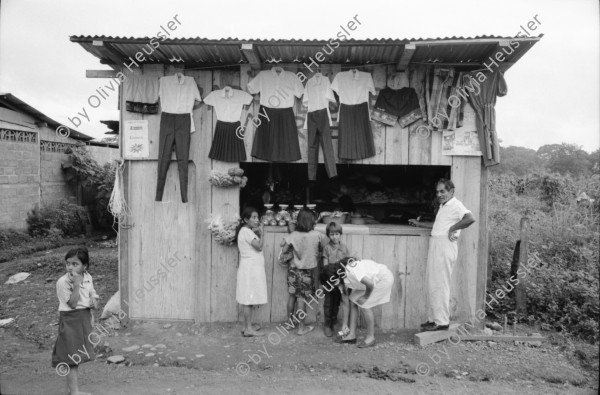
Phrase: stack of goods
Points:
(282, 218)
(378, 197)
(233, 177)
(390, 195)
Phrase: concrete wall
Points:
(19, 182)
(103, 155)
(53, 185)
(29, 177)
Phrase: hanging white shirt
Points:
(178, 94)
(277, 88)
(317, 95)
(228, 103)
(353, 87)
(449, 214)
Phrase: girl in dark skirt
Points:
(355, 138)
(228, 143)
(76, 295)
(276, 138)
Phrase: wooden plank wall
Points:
(161, 258)
(225, 201)
(466, 174)
(200, 146)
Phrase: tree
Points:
(566, 159)
(519, 161)
(595, 161)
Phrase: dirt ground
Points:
(184, 358)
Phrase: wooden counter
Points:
(402, 248)
(375, 229)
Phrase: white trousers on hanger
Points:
(441, 259)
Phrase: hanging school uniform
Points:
(355, 139)
(317, 95)
(276, 138)
(227, 146)
(177, 96)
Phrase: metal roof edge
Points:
(28, 109)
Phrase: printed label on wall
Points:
(135, 139)
(464, 140)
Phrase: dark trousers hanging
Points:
(174, 131)
(319, 133)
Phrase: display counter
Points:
(402, 248)
(373, 229)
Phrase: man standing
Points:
(452, 216)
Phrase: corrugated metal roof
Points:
(467, 51)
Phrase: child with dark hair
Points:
(251, 289)
(306, 243)
(76, 296)
(332, 253)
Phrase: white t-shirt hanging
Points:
(228, 103)
(317, 95)
(177, 95)
(277, 88)
(353, 87)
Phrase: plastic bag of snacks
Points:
(235, 171)
(223, 180)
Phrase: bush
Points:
(566, 300)
(12, 238)
(562, 291)
(37, 224)
(58, 219)
(557, 189)
(97, 182)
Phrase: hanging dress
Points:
(355, 137)
(228, 142)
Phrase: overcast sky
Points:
(553, 91)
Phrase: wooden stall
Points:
(201, 278)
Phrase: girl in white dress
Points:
(371, 285)
(251, 287)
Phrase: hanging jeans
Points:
(174, 131)
(320, 133)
